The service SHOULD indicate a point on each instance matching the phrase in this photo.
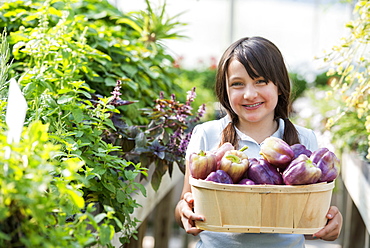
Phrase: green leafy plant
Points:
(114, 43)
(203, 79)
(67, 57)
(299, 85)
(351, 62)
(41, 200)
(154, 25)
(43, 194)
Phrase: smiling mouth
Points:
(252, 105)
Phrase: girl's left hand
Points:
(332, 229)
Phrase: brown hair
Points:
(261, 58)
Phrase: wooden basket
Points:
(261, 208)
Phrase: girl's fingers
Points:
(333, 210)
(188, 217)
(188, 197)
(191, 228)
(332, 230)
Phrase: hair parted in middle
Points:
(260, 58)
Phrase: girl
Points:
(253, 87)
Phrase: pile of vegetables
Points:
(279, 164)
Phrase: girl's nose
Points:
(250, 92)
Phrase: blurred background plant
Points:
(202, 78)
(339, 97)
(349, 94)
(154, 25)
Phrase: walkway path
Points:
(177, 242)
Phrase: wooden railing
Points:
(355, 174)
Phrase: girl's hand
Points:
(332, 229)
(188, 217)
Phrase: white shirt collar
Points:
(279, 133)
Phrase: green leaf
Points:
(141, 188)
(109, 186)
(118, 222)
(4, 236)
(99, 170)
(85, 93)
(80, 134)
(106, 233)
(110, 124)
(77, 114)
(77, 200)
(130, 175)
(121, 196)
(160, 170)
(130, 23)
(65, 99)
(98, 218)
(132, 85)
(110, 81)
(156, 180)
(145, 160)
(131, 70)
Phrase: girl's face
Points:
(253, 100)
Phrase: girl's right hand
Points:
(188, 217)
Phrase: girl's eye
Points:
(236, 84)
(262, 81)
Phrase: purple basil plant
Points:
(164, 139)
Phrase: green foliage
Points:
(154, 25)
(323, 80)
(351, 62)
(56, 96)
(67, 57)
(299, 85)
(204, 81)
(108, 43)
(350, 134)
(83, 168)
(206, 77)
(40, 199)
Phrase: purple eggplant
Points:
(301, 171)
(277, 152)
(219, 176)
(201, 164)
(262, 172)
(299, 149)
(328, 162)
(246, 181)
